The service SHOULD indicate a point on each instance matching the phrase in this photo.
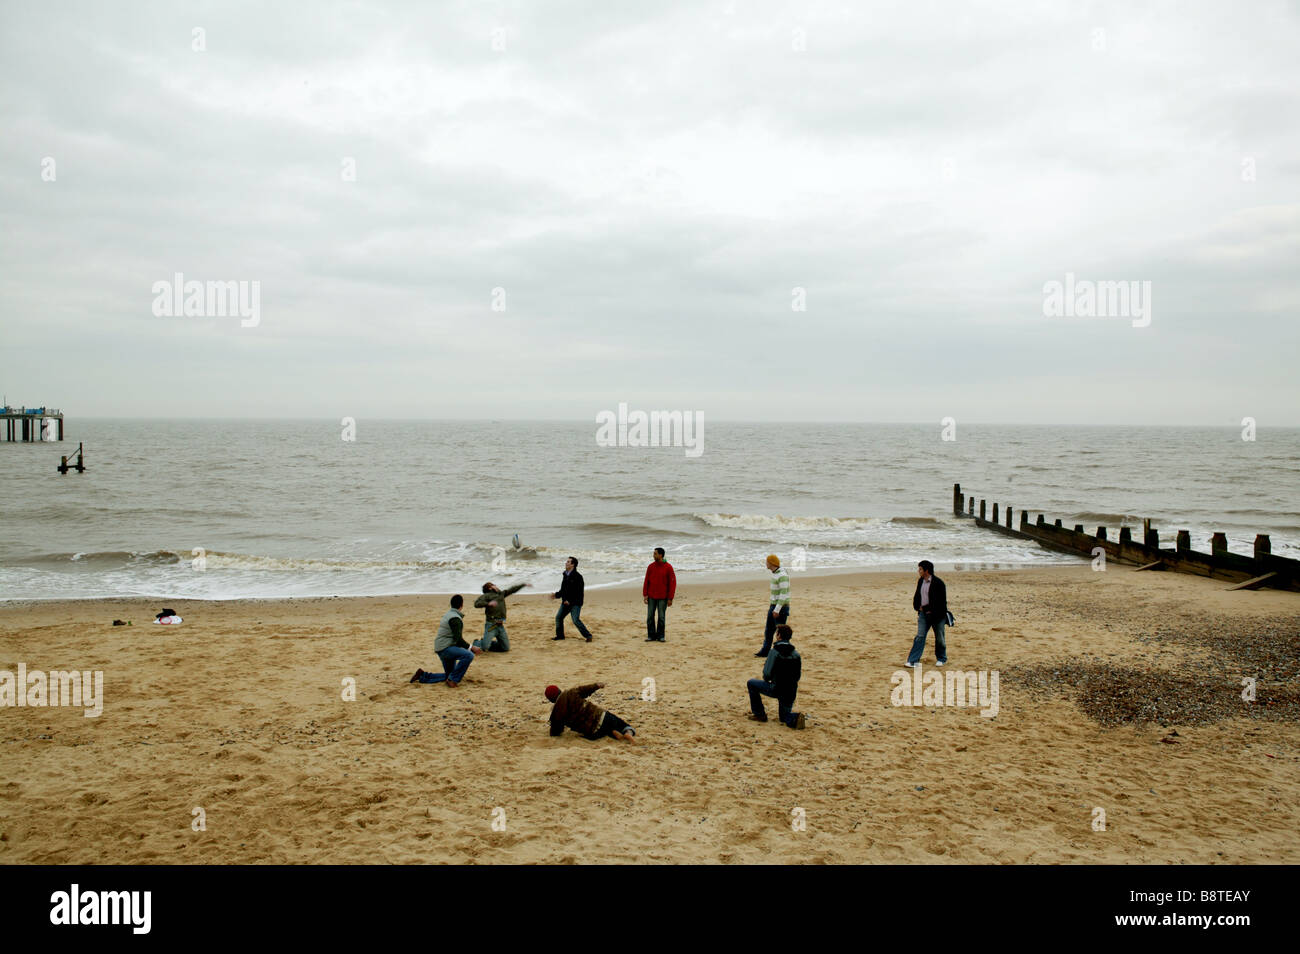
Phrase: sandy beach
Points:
(240, 712)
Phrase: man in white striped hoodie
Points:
(779, 610)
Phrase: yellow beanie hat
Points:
(773, 560)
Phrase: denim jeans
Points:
(769, 628)
(494, 638)
(651, 608)
(454, 663)
(574, 612)
(923, 626)
(784, 704)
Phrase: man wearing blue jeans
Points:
(570, 595)
(451, 649)
(931, 604)
(780, 681)
(658, 590)
(493, 604)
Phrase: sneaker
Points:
(554, 638)
(451, 685)
(651, 639)
(911, 665)
(937, 663)
(755, 718)
(760, 655)
(588, 638)
(418, 674)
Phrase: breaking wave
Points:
(753, 521)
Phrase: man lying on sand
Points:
(493, 604)
(571, 709)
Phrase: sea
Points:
(227, 509)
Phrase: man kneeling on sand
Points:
(451, 649)
(571, 709)
(780, 680)
(493, 605)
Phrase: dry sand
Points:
(239, 711)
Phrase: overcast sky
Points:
(648, 183)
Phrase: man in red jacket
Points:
(658, 590)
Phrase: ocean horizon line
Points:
(1234, 425)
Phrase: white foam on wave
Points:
(448, 567)
(757, 521)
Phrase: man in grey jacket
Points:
(449, 645)
(493, 604)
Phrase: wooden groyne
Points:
(1246, 572)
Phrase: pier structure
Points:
(1244, 572)
(31, 423)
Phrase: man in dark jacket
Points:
(570, 709)
(931, 604)
(570, 595)
(780, 680)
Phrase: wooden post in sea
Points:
(956, 499)
(1041, 520)
(79, 466)
(1101, 533)
(1219, 544)
(1058, 523)
(1008, 516)
(982, 508)
(1184, 541)
(1125, 536)
(1263, 546)
(995, 513)
(1078, 528)
(972, 507)
(1024, 520)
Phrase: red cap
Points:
(552, 693)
